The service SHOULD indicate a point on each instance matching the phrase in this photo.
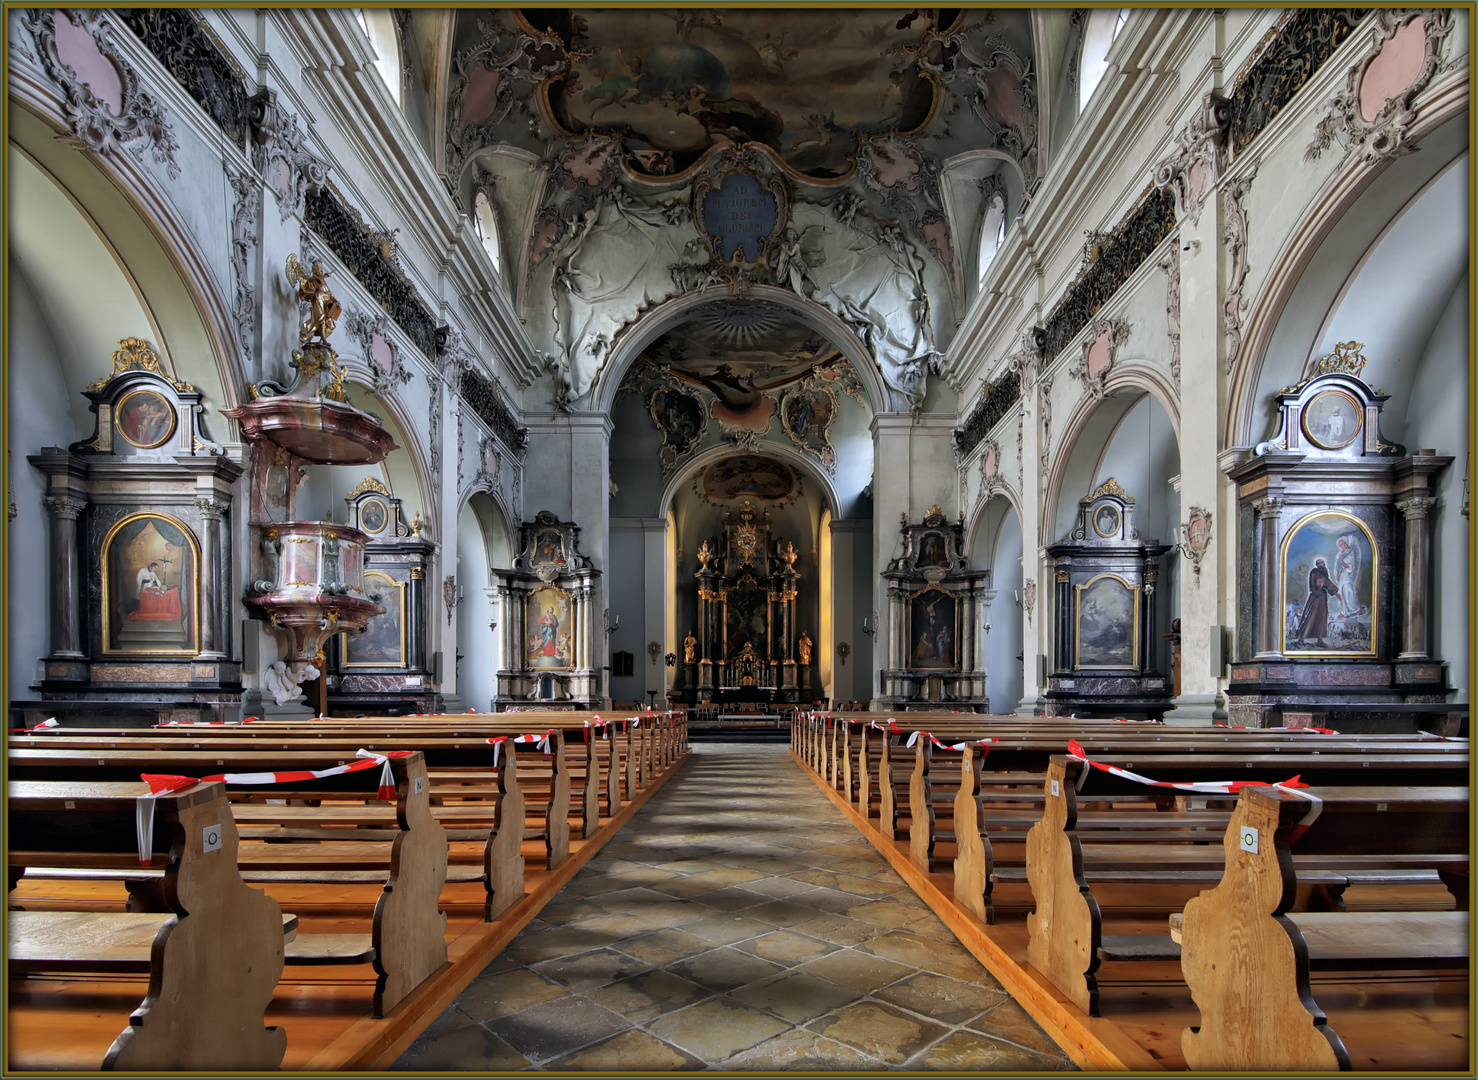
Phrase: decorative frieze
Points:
(1290, 56)
(996, 400)
(189, 52)
(1108, 261)
(366, 255)
(485, 399)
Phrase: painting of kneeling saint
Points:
(1329, 574)
(150, 587)
(548, 630)
(1106, 623)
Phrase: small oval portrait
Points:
(145, 419)
(1106, 521)
(1332, 420)
(373, 514)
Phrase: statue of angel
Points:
(313, 288)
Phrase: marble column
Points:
(212, 587)
(66, 623)
(415, 616)
(1269, 613)
(1414, 641)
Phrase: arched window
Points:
(379, 26)
(1103, 26)
(992, 231)
(485, 218)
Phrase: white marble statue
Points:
(284, 684)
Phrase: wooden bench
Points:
(399, 846)
(213, 962)
(1246, 957)
(1064, 859)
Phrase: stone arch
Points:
(671, 313)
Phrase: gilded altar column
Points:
(66, 626)
(1269, 615)
(212, 589)
(415, 617)
(1414, 643)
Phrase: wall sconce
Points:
(1016, 597)
(843, 650)
(670, 659)
(870, 628)
(654, 650)
(612, 625)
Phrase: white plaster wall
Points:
(626, 590)
(1438, 418)
(37, 414)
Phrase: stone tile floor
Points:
(739, 922)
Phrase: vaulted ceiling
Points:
(881, 132)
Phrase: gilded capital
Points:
(1270, 507)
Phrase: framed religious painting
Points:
(1328, 569)
(549, 550)
(374, 515)
(145, 419)
(933, 551)
(151, 587)
(1106, 521)
(548, 630)
(1105, 624)
(1332, 420)
(382, 643)
(933, 631)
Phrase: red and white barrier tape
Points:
(164, 783)
(545, 742)
(914, 738)
(1210, 787)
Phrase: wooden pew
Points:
(213, 963)
(1246, 957)
(1063, 860)
(400, 845)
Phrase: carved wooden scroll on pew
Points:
(864, 786)
(921, 806)
(503, 854)
(1064, 928)
(213, 966)
(409, 929)
(972, 845)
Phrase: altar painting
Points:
(933, 631)
(1106, 623)
(549, 630)
(151, 587)
(382, 643)
(748, 620)
(1329, 571)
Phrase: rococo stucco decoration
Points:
(1105, 338)
(1371, 115)
(280, 155)
(104, 102)
(1193, 170)
(1235, 237)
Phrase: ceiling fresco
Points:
(677, 83)
(745, 366)
(638, 154)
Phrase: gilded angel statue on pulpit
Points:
(312, 286)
